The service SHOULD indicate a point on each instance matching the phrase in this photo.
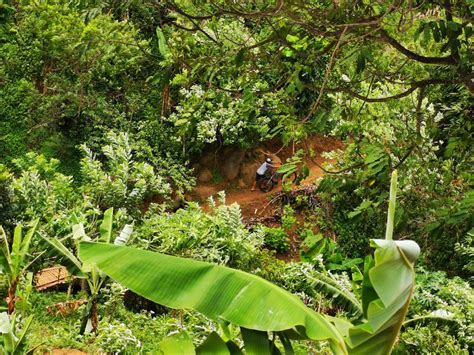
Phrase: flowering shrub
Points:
(116, 337)
(213, 115)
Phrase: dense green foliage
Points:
(107, 106)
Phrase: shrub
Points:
(218, 236)
(435, 293)
(277, 239)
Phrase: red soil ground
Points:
(256, 203)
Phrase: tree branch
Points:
(373, 99)
(326, 77)
(413, 86)
(384, 36)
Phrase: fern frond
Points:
(221, 197)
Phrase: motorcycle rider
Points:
(267, 164)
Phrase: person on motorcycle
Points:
(267, 164)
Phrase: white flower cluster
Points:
(116, 337)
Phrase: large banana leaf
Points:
(218, 292)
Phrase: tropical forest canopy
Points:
(109, 110)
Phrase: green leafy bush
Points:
(288, 217)
(218, 236)
(436, 294)
(428, 340)
(277, 239)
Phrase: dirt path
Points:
(256, 203)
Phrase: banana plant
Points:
(258, 307)
(91, 275)
(15, 259)
(14, 341)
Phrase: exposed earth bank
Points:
(232, 169)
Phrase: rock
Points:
(205, 175)
(231, 165)
(247, 172)
(242, 184)
(208, 160)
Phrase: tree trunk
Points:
(11, 298)
(94, 315)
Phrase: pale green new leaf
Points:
(392, 279)
(20, 247)
(218, 292)
(387, 289)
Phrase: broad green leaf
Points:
(162, 45)
(438, 315)
(327, 285)
(361, 208)
(26, 241)
(311, 246)
(218, 292)
(5, 261)
(255, 342)
(106, 226)
(213, 345)
(285, 168)
(177, 344)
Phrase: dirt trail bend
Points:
(256, 203)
